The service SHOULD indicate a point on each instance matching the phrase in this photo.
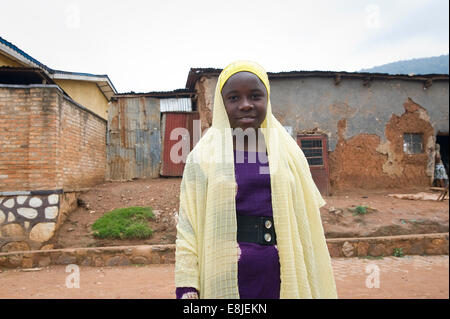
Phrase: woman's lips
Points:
(247, 119)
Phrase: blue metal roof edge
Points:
(25, 55)
(50, 70)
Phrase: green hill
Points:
(431, 65)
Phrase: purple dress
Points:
(258, 265)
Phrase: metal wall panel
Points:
(133, 138)
(172, 121)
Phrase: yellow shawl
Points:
(206, 247)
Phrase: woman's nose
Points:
(246, 105)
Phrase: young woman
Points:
(249, 222)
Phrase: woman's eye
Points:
(232, 98)
(256, 97)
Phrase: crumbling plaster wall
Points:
(318, 102)
(365, 126)
(205, 88)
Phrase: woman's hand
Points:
(190, 295)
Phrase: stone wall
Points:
(422, 244)
(425, 244)
(28, 222)
(97, 257)
(51, 149)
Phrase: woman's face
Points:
(245, 99)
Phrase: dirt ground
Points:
(387, 216)
(410, 277)
(407, 277)
(161, 194)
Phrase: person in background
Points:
(439, 172)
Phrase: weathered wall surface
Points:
(364, 161)
(134, 138)
(364, 122)
(205, 99)
(318, 102)
(87, 94)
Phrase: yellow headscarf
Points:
(206, 245)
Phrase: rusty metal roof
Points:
(195, 74)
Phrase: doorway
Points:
(443, 140)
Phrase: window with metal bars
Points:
(313, 151)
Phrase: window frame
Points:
(409, 144)
(324, 148)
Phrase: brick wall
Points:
(48, 142)
(82, 147)
(28, 138)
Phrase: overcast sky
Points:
(151, 45)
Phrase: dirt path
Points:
(407, 277)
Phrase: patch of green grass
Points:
(360, 210)
(124, 223)
(398, 252)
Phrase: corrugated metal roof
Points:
(176, 105)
